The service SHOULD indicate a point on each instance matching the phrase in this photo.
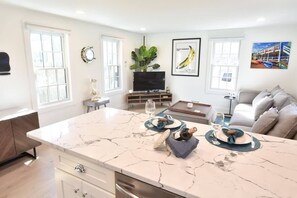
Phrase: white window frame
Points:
(212, 41)
(28, 29)
(120, 64)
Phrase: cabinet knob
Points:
(76, 190)
(80, 168)
(84, 195)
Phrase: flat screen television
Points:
(148, 81)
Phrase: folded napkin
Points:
(165, 120)
(182, 148)
(232, 134)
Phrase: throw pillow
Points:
(266, 121)
(263, 105)
(280, 99)
(286, 126)
(260, 96)
(275, 90)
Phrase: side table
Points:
(230, 98)
(95, 104)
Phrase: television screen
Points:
(146, 81)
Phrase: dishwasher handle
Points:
(122, 190)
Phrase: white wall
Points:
(194, 88)
(260, 78)
(15, 88)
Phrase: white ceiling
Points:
(170, 15)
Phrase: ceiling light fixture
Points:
(143, 29)
(80, 12)
(261, 19)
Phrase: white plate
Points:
(175, 124)
(245, 139)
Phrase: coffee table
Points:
(199, 113)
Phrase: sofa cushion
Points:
(286, 126)
(259, 97)
(266, 121)
(263, 105)
(243, 115)
(280, 99)
(244, 107)
(275, 90)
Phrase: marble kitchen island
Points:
(117, 140)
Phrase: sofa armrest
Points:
(246, 96)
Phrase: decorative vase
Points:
(94, 93)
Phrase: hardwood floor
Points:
(26, 177)
(29, 178)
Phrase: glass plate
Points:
(245, 139)
(175, 124)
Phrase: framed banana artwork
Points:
(185, 57)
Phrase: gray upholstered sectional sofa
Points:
(267, 112)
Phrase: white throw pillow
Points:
(260, 96)
(275, 90)
(286, 126)
(263, 105)
(280, 99)
(266, 121)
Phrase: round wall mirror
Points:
(87, 54)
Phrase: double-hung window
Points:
(49, 66)
(224, 64)
(112, 63)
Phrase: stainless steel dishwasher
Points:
(128, 187)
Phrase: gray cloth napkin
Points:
(232, 138)
(169, 120)
(182, 148)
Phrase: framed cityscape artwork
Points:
(271, 55)
(185, 57)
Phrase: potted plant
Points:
(143, 58)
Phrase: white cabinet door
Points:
(93, 173)
(67, 185)
(91, 191)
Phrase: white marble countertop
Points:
(118, 140)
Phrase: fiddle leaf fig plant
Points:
(143, 58)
